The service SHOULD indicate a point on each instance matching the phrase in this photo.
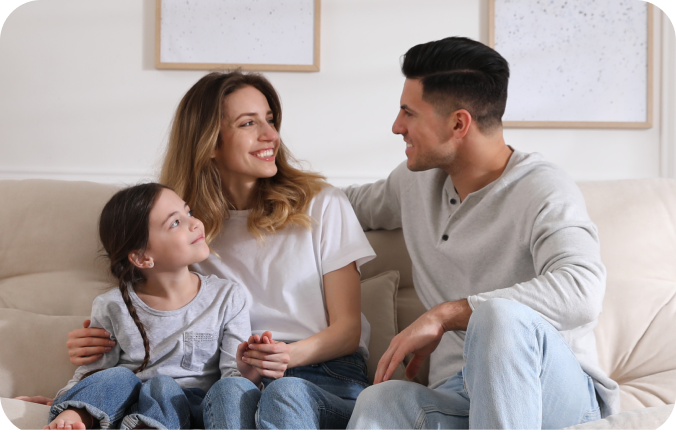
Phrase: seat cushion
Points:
(34, 359)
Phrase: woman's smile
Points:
(265, 154)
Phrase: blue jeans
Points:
(320, 396)
(519, 374)
(117, 398)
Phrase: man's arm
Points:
(378, 205)
(421, 338)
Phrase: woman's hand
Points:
(88, 344)
(42, 400)
(270, 358)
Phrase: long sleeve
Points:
(236, 330)
(99, 319)
(378, 205)
(570, 278)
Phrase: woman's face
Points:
(248, 141)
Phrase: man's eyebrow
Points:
(252, 114)
(406, 108)
(173, 213)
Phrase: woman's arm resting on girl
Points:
(88, 344)
(342, 289)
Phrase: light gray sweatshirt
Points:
(195, 344)
(526, 237)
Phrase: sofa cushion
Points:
(379, 305)
(53, 245)
(34, 360)
(636, 220)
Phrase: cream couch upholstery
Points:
(51, 270)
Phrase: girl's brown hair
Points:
(124, 228)
(189, 169)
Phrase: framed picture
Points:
(260, 35)
(575, 63)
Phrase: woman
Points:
(289, 238)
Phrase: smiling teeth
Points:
(266, 153)
(408, 145)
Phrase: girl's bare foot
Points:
(70, 419)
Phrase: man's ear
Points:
(460, 122)
(142, 261)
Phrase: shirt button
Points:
(453, 201)
(444, 237)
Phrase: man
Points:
(502, 248)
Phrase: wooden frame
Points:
(159, 64)
(648, 123)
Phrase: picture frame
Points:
(230, 34)
(597, 56)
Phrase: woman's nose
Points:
(269, 133)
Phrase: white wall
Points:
(81, 99)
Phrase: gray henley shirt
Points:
(526, 237)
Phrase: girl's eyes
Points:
(178, 221)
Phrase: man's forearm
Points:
(453, 316)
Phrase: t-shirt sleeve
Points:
(100, 318)
(236, 329)
(341, 237)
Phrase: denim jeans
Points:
(117, 398)
(519, 374)
(319, 396)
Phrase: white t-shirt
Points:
(284, 273)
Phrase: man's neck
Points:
(478, 163)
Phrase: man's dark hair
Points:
(460, 73)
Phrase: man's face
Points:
(426, 133)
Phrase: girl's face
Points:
(248, 141)
(176, 239)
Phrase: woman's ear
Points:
(141, 261)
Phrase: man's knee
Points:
(377, 404)
(502, 316)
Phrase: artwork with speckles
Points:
(575, 60)
(237, 32)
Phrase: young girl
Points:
(177, 332)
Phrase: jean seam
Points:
(334, 412)
(342, 377)
(420, 420)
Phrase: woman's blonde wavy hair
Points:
(188, 168)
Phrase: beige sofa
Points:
(50, 271)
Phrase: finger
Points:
(86, 323)
(383, 364)
(269, 348)
(88, 332)
(81, 361)
(88, 351)
(267, 334)
(397, 358)
(268, 365)
(278, 357)
(413, 366)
